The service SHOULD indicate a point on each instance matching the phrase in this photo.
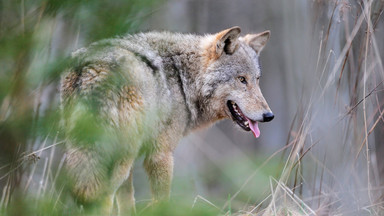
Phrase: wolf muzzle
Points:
(268, 117)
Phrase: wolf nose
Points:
(268, 117)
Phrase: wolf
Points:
(140, 94)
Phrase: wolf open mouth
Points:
(242, 120)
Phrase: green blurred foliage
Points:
(36, 38)
(48, 206)
(178, 207)
(25, 32)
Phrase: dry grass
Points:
(326, 193)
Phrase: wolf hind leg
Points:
(88, 173)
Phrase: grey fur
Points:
(143, 93)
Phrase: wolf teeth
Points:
(246, 123)
(236, 109)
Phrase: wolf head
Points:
(231, 77)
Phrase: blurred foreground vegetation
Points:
(36, 38)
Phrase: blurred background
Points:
(322, 77)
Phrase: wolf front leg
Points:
(125, 197)
(159, 167)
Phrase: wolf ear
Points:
(227, 41)
(257, 41)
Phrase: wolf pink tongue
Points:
(254, 127)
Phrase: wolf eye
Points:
(242, 80)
